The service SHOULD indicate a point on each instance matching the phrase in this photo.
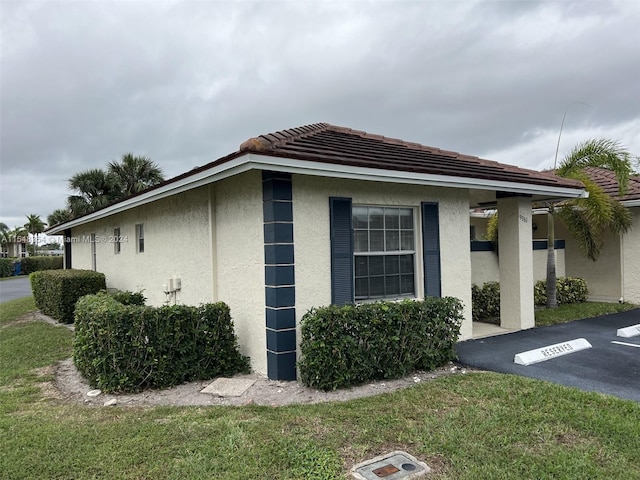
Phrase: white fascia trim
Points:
(251, 161)
(225, 170)
(306, 167)
(631, 203)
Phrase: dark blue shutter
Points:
(431, 249)
(341, 251)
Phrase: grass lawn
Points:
(473, 426)
(577, 311)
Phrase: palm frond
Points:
(589, 238)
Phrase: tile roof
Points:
(607, 180)
(322, 142)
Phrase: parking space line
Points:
(627, 344)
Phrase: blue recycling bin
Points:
(17, 267)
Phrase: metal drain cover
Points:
(390, 466)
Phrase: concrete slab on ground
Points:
(229, 387)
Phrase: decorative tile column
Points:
(279, 269)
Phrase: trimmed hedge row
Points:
(6, 267)
(56, 291)
(128, 348)
(350, 345)
(568, 290)
(35, 264)
(486, 299)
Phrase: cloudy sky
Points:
(185, 82)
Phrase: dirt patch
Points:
(72, 387)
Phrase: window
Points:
(93, 252)
(384, 252)
(116, 241)
(140, 238)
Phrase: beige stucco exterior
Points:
(212, 238)
(631, 260)
(176, 245)
(311, 235)
(485, 266)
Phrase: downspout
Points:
(622, 290)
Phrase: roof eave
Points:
(251, 161)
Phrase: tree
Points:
(589, 219)
(134, 174)
(94, 189)
(35, 226)
(4, 233)
(59, 215)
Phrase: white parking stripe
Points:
(627, 344)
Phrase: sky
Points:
(186, 82)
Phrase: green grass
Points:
(577, 311)
(9, 311)
(472, 426)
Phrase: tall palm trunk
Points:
(551, 260)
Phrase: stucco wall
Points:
(176, 238)
(485, 266)
(239, 243)
(312, 238)
(603, 277)
(631, 252)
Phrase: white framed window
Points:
(384, 252)
(116, 241)
(140, 238)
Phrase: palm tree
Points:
(94, 189)
(134, 174)
(35, 226)
(58, 216)
(589, 219)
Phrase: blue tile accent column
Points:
(279, 273)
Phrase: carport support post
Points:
(516, 262)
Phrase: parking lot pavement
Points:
(13, 288)
(608, 367)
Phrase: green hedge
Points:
(485, 302)
(35, 264)
(350, 345)
(129, 298)
(6, 267)
(568, 290)
(128, 348)
(56, 291)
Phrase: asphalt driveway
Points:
(608, 367)
(13, 288)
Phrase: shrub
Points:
(56, 291)
(128, 298)
(485, 302)
(6, 267)
(127, 348)
(35, 264)
(568, 290)
(350, 345)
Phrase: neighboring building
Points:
(15, 249)
(312, 216)
(615, 276)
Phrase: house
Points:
(614, 277)
(16, 247)
(311, 216)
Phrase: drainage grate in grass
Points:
(390, 466)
